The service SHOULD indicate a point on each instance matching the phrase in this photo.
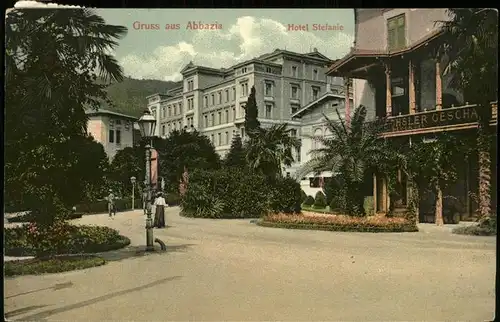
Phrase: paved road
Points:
(234, 270)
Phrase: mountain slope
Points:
(129, 96)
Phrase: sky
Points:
(241, 34)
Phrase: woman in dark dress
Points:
(160, 205)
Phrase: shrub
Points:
(172, 199)
(29, 217)
(309, 201)
(319, 200)
(303, 196)
(475, 230)
(286, 196)
(368, 206)
(225, 193)
(51, 265)
(25, 241)
(339, 223)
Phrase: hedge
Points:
(339, 223)
(475, 230)
(29, 217)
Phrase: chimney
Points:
(315, 49)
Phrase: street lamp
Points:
(147, 125)
(132, 180)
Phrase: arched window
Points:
(317, 133)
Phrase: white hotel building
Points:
(290, 88)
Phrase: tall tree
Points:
(184, 150)
(268, 150)
(128, 162)
(353, 153)
(471, 44)
(53, 58)
(252, 123)
(236, 154)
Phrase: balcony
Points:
(295, 100)
(268, 98)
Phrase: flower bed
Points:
(338, 223)
(75, 240)
(51, 265)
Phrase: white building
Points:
(115, 131)
(290, 88)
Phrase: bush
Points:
(303, 196)
(319, 200)
(20, 241)
(475, 230)
(29, 217)
(225, 193)
(339, 223)
(368, 206)
(309, 201)
(51, 265)
(101, 206)
(172, 199)
(286, 196)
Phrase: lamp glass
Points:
(147, 124)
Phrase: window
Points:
(213, 99)
(234, 113)
(226, 138)
(118, 137)
(242, 132)
(219, 117)
(180, 108)
(168, 127)
(180, 125)
(294, 71)
(315, 74)
(298, 154)
(293, 133)
(269, 89)
(205, 101)
(396, 38)
(226, 119)
(219, 139)
(219, 96)
(212, 119)
(190, 85)
(294, 109)
(244, 89)
(170, 110)
(269, 70)
(234, 93)
(315, 92)
(118, 122)
(162, 111)
(212, 138)
(163, 130)
(206, 120)
(243, 70)
(111, 137)
(295, 91)
(227, 95)
(242, 109)
(269, 111)
(190, 102)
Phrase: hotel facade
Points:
(290, 88)
(398, 74)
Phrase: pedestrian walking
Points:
(160, 205)
(111, 204)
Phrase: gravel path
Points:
(232, 270)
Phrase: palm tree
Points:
(54, 59)
(471, 44)
(352, 153)
(267, 150)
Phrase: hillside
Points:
(130, 95)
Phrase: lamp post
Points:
(132, 180)
(147, 124)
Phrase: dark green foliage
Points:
(81, 239)
(366, 228)
(251, 124)
(30, 217)
(128, 96)
(236, 155)
(101, 206)
(319, 200)
(128, 162)
(182, 149)
(286, 196)
(303, 196)
(52, 58)
(51, 265)
(309, 201)
(269, 149)
(475, 230)
(225, 193)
